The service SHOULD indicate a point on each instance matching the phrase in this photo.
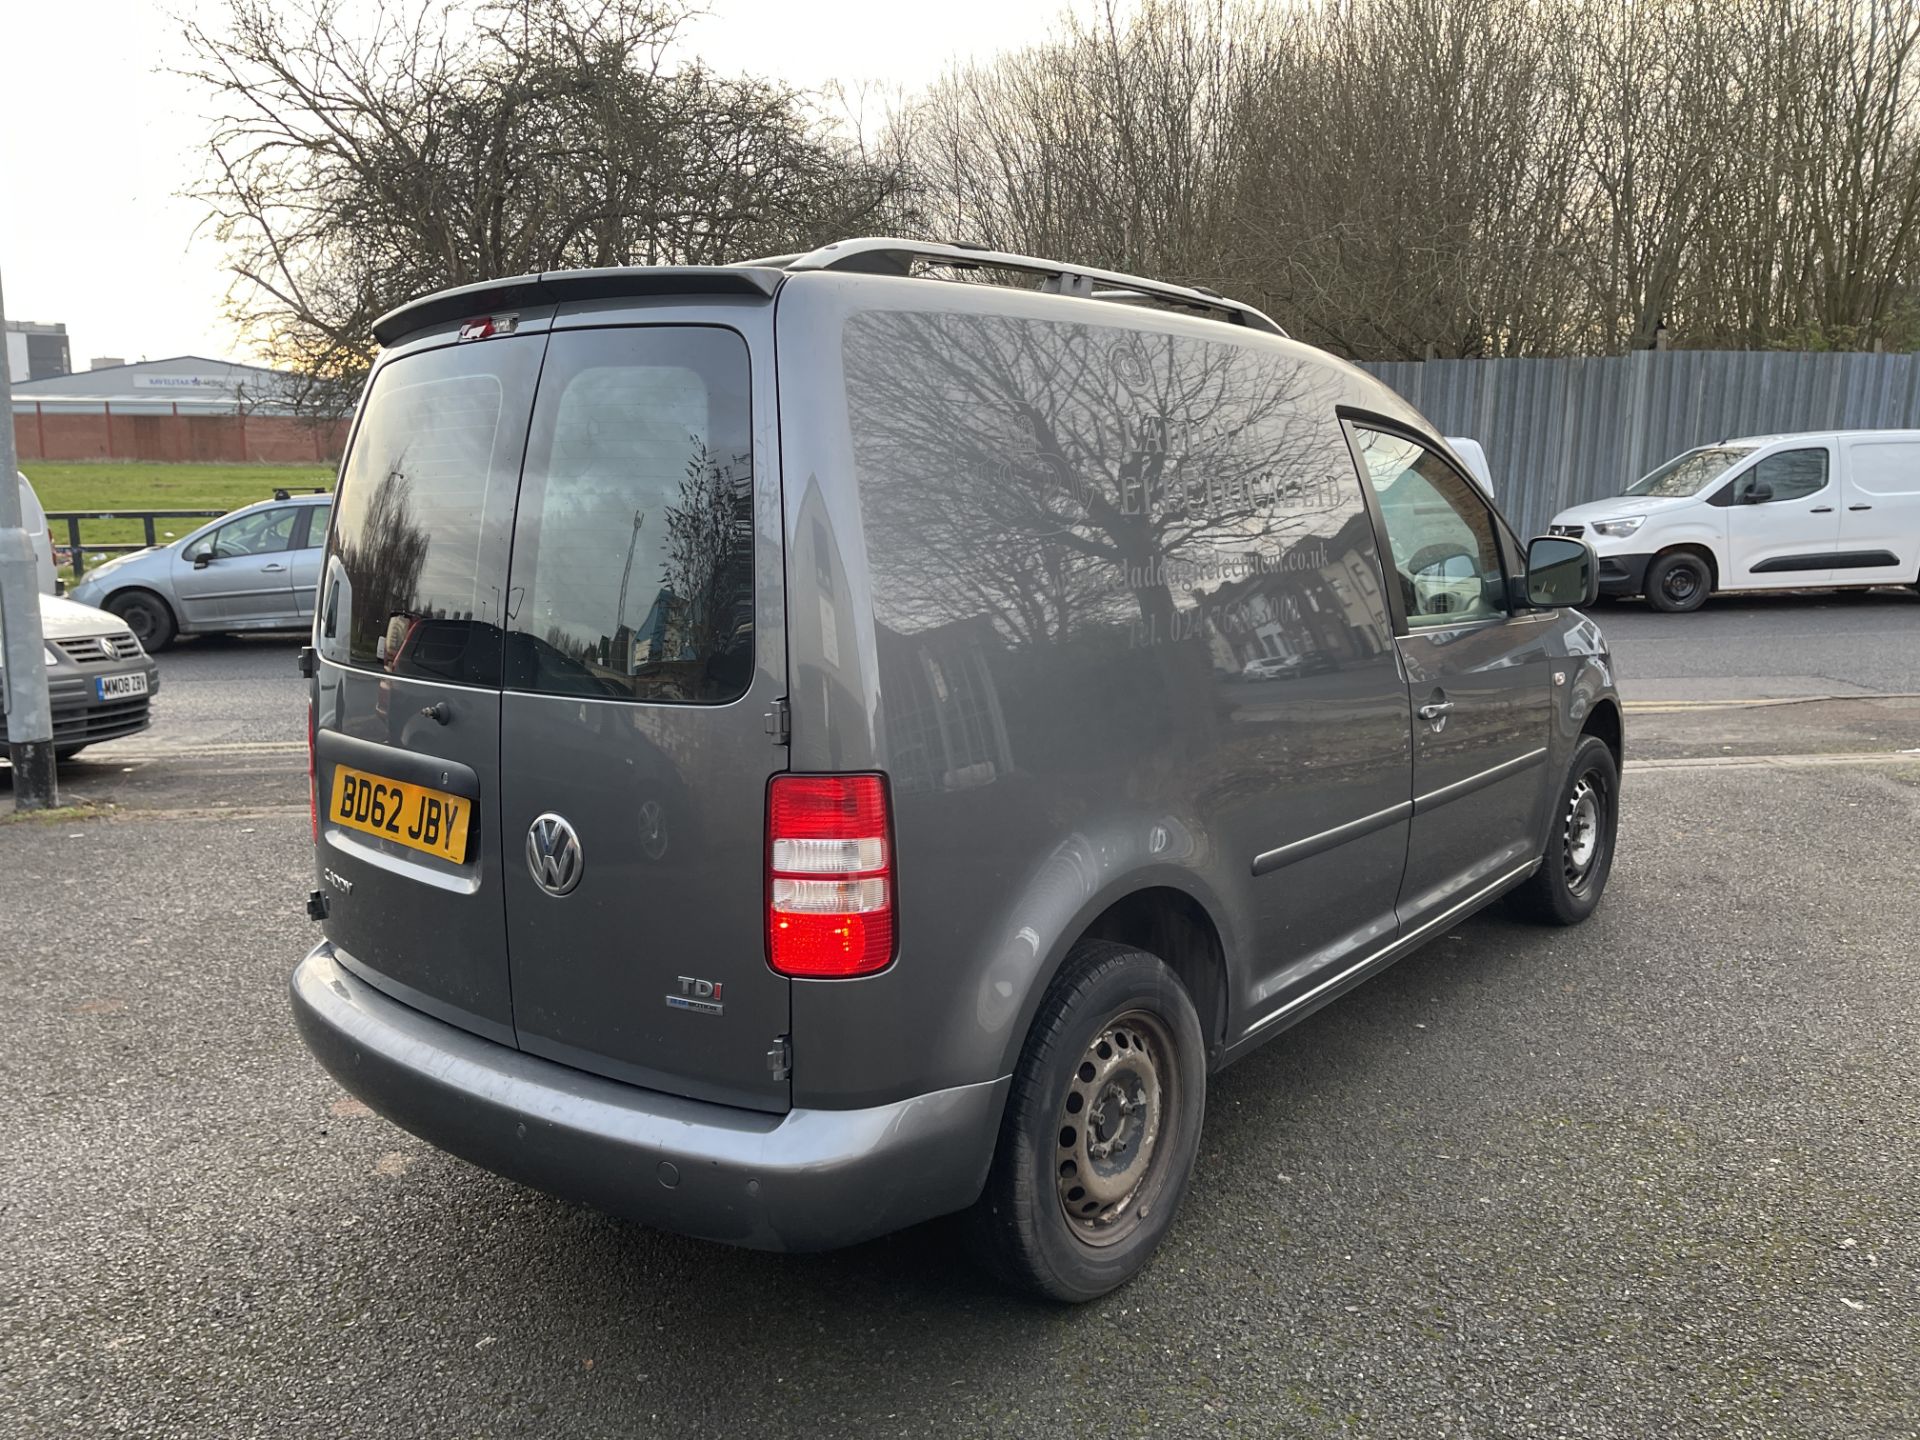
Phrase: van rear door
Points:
(407, 695)
(642, 661)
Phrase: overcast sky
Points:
(96, 141)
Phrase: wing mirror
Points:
(1561, 571)
(202, 559)
(1758, 493)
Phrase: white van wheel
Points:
(1678, 583)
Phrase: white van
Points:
(1769, 512)
(35, 519)
(1475, 459)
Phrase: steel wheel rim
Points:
(1116, 1119)
(1583, 832)
(1680, 583)
(139, 620)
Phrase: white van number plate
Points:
(119, 687)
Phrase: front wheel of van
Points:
(1101, 1128)
(1678, 583)
(1579, 856)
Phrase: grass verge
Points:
(128, 485)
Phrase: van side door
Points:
(1783, 520)
(1880, 526)
(1478, 677)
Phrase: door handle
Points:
(1435, 711)
(1821, 510)
(1859, 507)
(272, 569)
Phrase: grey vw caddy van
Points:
(804, 747)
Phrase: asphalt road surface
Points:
(238, 694)
(1654, 1175)
(1769, 646)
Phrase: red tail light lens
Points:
(829, 875)
(313, 790)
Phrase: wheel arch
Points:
(1605, 722)
(1697, 548)
(122, 592)
(1167, 912)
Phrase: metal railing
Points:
(78, 552)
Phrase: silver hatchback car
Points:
(255, 569)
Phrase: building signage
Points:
(182, 382)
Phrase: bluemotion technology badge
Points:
(700, 996)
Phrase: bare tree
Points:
(352, 170)
(1399, 178)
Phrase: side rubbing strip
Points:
(1326, 840)
(1433, 799)
(1843, 560)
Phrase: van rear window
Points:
(632, 574)
(425, 505)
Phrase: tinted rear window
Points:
(425, 505)
(633, 549)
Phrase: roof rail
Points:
(885, 255)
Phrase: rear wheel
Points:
(1579, 856)
(147, 616)
(1678, 583)
(1101, 1128)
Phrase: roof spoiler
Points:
(553, 287)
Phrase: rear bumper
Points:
(806, 1180)
(1624, 574)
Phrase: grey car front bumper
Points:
(805, 1180)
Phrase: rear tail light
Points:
(313, 791)
(830, 892)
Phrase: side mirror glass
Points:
(1759, 492)
(1561, 571)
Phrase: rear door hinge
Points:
(777, 723)
(780, 1057)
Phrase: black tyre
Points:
(1580, 841)
(1101, 1127)
(148, 616)
(1678, 583)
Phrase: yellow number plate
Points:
(411, 815)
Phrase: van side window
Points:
(1789, 474)
(632, 571)
(1444, 546)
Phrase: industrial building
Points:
(188, 407)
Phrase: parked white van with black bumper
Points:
(1769, 512)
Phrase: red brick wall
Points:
(260, 439)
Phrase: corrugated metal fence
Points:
(1558, 432)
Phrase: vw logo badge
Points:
(553, 855)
